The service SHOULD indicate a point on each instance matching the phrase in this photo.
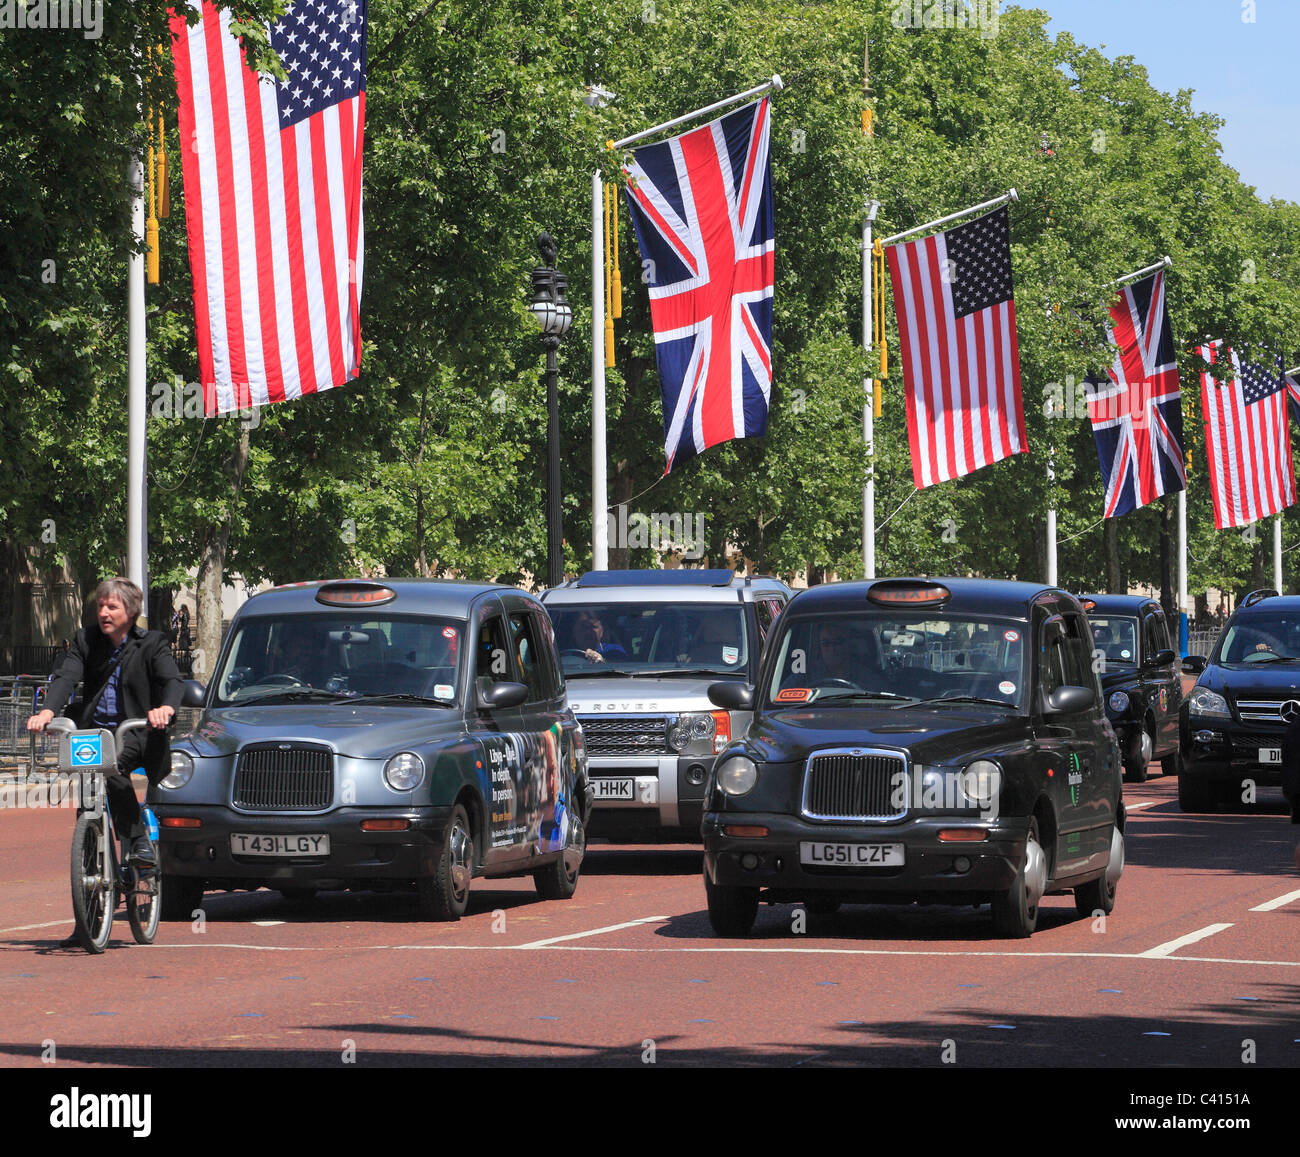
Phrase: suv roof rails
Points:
(1257, 597)
(713, 577)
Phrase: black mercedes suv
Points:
(918, 740)
(1233, 723)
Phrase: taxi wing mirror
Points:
(732, 696)
(1068, 700)
(193, 694)
(1161, 658)
(1194, 664)
(499, 696)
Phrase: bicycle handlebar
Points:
(63, 723)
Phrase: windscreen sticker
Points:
(1007, 687)
(448, 632)
(794, 695)
(444, 691)
(1011, 636)
(1124, 654)
(730, 654)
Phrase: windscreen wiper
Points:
(908, 699)
(404, 696)
(967, 699)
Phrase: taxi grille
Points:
(847, 785)
(280, 778)
(638, 735)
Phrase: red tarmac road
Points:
(1201, 954)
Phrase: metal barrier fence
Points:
(21, 750)
(1202, 642)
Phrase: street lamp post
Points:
(554, 314)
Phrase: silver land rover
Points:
(640, 649)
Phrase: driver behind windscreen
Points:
(298, 658)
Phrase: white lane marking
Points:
(1133, 807)
(266, 923)
(1172, 946)
(1280, 902)
(594, 932)
(29, 927)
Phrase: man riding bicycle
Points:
(126, 672)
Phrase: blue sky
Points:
(1245, 72)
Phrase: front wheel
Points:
(732, 910)
(93, 898)
(1015, 911)
(144, 904)
(445, 894)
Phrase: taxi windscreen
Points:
(341, 655)
(650, 638)
(859, 657)
(1115, 639)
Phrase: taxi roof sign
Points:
(355, 594)
(900, 592)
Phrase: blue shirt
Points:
(107, 713)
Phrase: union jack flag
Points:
(1247, 439)
(701, 204)
(1138, 419)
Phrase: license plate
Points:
(1270, 755)
(851, 855)
(304, 845)
(615, 788)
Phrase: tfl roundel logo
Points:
(87, 750)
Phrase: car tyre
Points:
(181, 895)
(732, 910)
(1099, 895)
(558, 881)
(1015, 911)
(444, 896)
(1137, 768)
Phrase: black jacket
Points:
(149, 678)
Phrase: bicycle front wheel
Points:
(144, 904)
(93, 897)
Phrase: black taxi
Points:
(401, 734)
(918, 740)
(1140, 680)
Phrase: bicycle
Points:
(100, 878)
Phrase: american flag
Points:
(1247, 440)
(957, 330)
(1137, 418)
(701, 204)
(272, 175)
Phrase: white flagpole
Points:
(773, 85)
(1164, 263)
(869, 404)
(599, 485)
(1009, 195)
(1277, 554)
(1051, 522)
(136, 498)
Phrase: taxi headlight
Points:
(737, 775)
(1118, 702)
(181, 772)
(404, 771)
(1203, 701)
(980, 782)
